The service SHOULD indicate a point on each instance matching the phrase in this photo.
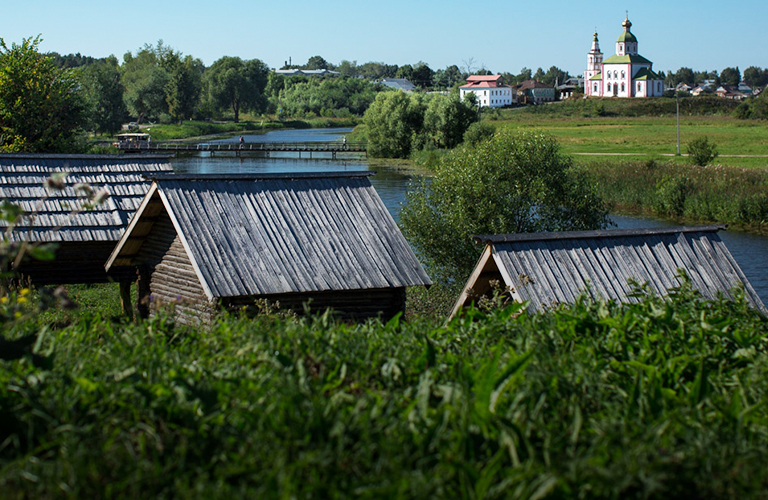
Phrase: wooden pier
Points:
(262, 148)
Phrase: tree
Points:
(539, 75)
(730, 76)
(555, 76)
(524, 75)
(405, 71)
(377, 70)
(393, 122)
(447, 118)
(316, 62)
(238, 85)
(447, 78)
(348, 69)
(182, 91)
(42, 108)
(755, 77)
(102, 87)
(682, 75)
(422, 75)
(515, 182)
(145, 80)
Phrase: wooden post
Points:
(125, 298)
(142, 292)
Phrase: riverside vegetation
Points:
(656, 399)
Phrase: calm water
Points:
(750, 251)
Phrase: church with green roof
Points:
(626, 74)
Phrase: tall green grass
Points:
(652, 400)
(714, 193)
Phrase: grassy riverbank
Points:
(683, 192)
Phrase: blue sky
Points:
(498, 35)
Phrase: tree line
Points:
(753, 76)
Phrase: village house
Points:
(295, 241)
(534, 92)
(547, 269)
(489, 90)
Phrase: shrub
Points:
(701, 152)
(478, 132)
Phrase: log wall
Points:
(172, 279)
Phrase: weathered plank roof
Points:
(280, 233)
(551, 268)
(22, 181)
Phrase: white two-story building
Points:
(490, 91)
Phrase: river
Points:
(391, 182)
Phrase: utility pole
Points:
(677, 102)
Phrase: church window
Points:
(622, 74)
(622, 87)
(615, 74)
(595, 88)
(609, 87)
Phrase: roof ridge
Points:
(255, 176)
(600, 233)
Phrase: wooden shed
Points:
(86, 239)
(325, 239)
(546, 269)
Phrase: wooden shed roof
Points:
(280, 233)
(551, 268)
(22, 181)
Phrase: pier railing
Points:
(266, 147)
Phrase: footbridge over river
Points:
(317, 150)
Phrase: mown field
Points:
(652, 400)
(643, 129)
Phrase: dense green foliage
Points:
(652, 400)
(756, 108)
(714, 193)
(398, 123)
(392, 123)
(144, 79)
(307, 97)
(101, 84)
(237, 85)
(446, 119)
(41, 106)
(515, 182)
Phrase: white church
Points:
(626, 74)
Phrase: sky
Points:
(500, 36)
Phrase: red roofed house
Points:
(489, 90)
